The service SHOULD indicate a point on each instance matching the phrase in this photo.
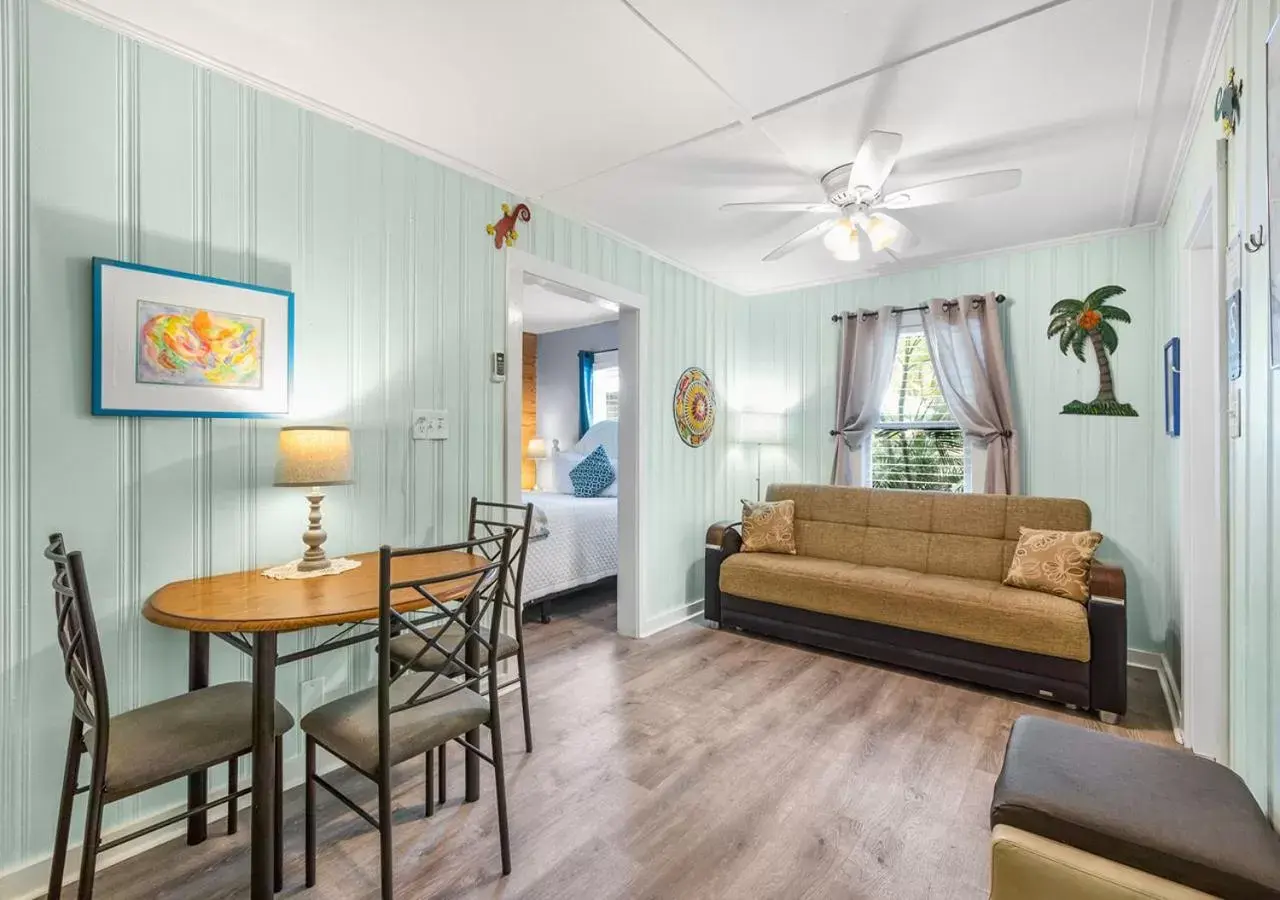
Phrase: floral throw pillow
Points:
(769, 527)
(1056, 562)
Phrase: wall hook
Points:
(1255, 241)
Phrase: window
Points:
(917, 445)
(604, 387)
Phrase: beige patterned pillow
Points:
(769, 527)
(1056, 562)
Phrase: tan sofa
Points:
(914, 579)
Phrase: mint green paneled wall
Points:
(115, 149)
(787, 360)
(1253, 495)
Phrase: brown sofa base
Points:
(1046, 677)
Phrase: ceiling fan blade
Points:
(952, 189)
(875, 160)
(799, 240)
(906, 238)
(778, 207)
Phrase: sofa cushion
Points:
(1165, 811)
(966, 535)
(984, 612)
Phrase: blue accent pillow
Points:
(591, 476)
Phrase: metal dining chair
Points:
(410, 713)
(487, 519)
(145, 747)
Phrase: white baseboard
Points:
(1159, 663)
(31, 880)
(670, 618)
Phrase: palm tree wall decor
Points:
(1075, 322)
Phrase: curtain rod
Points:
(898, 310)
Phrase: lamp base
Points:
(314, 537)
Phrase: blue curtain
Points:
(586, 365)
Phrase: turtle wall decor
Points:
(1226, 106)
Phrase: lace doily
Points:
(290, 569)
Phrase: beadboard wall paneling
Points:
(115, 149)
(1253, 464)
(787, 361)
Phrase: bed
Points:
(580, 545)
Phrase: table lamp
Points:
(537, 450)
(759, 428)
(314, 456)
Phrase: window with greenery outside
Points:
(917, 445)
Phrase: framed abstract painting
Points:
(169, 343)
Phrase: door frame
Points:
(1202, 450)
(632, 356)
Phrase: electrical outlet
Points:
(430, 424)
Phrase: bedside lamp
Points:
(314, 456)
(759, 428)
(536, 451)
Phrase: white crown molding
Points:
(1209, 65)
(947, 260)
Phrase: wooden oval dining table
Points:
(249, 610)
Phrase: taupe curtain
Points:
(867, 346)
(968, 355)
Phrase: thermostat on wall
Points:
(498, 366)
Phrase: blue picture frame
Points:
(1173, 387)
(281, 387)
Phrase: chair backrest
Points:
(78, 637)
(490, 519)
(477, 616)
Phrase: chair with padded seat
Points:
(410, 713)
(487, 519)
(145, 747)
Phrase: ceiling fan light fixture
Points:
(883, 232)
(840, 235)
(850, 252)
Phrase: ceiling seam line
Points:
(1159, 25)
(744, 116)
(911, 57)
(649, 154)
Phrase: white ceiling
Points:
(644, 116)
(547, 309)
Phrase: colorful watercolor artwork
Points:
(187, 346)
(169, 343)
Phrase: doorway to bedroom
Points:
(570, 401)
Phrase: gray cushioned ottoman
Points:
(1160, 810)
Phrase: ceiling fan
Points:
(855, 195)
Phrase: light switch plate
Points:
(430, 424)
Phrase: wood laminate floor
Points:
(694, 764)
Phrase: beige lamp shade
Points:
(537, 448)
(313, 456)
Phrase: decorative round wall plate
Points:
(694, 407)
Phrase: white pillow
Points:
(602, 434)
(561, 465)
